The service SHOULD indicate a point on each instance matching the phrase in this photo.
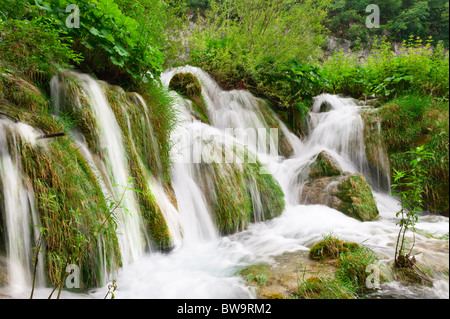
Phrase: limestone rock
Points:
(348, 193)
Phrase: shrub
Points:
(36, 49)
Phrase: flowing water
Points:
(203, 264)
(19, 205)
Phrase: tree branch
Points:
(15, 119)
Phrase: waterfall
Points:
(203, 262)
(115, 162)
(335, 123)
(19, 206)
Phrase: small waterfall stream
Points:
(19, 206)
(203, 264)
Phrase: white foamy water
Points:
(19, 207)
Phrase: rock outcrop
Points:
(348, 193)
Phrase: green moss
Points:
(357, 198)
(163, 118)
(21, 93)
(271, 194)
(375, 149)
(324, 165)
(352, 261)
(75, 105)
(284, 146)
(186, 84)
(69, 199)
(233, 206)
(229, 193)
(331, 248)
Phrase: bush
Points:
(415, 120)
(237, 37)
(35, 49)
(417, 68)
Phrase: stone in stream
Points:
(346, 192)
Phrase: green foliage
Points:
(121, 41)
(401, 19)
(240, 36)
(113, 44)
(260, 279)
(416, 120)
(290, 83)
(322, 287)
(36, 49)
(418, 67)
(13, 9)
(410, 184)
(352, 267)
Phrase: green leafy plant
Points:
(411, 199)
(261, 278)
(36, 49)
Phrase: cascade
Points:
(19, 206)
(203, 262)
(115, 163)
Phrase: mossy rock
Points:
(349, 194)
(331, 248)
(230, 190)
(64, 184)
(74, 103)
(22, 93)
(142, 153)
(375, 149)
(188, 86)
(325, 107)
(325, 165)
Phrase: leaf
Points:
(94, 31)
(117, 62)
(119, 49)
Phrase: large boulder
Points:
(325, 183)
(348, 193)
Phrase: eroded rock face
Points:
(348, 193)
